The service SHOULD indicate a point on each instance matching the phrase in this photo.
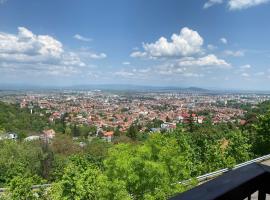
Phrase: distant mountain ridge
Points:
(124, 87)
(138, 88)
(102, 87)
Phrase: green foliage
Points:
(262, 142)
(132, 132)
(155, 123)
(82, 180)
(149, 169)
(20, 120)
(19, 159)
(140, 166)
(21, 188)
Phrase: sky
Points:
(222, 44)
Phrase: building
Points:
(9, 136)
(48, 134)
(108, 136)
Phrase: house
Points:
(12, 136)
(180, 118)
(168, 126)
(48, 134)
(32, 138)
(108, 136)
(9, 136)
(200, 119)
(154, 129)
(23, 104)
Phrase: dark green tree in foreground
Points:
(262, 138)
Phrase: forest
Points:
(135, 165)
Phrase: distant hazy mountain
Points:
(102, 87)
(137, 88)
(123, 87)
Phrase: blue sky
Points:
(205, 43)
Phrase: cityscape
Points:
(110, 111)
(134, 100)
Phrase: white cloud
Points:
(245, 66)
(211, 3)
(138, 54)
(86, 53)
(238, 53)
(125, 63)
(211, 47)
(224, 40)
(144, 70)
(245, 75)
(82, 38)
(124, 74)
(236, 4)
(28, 51)
(209, 60)
(189, 74)
(242, 69)
(97, 56)
(186, 67)
(242, 4)
(187, 42)
(25, 43)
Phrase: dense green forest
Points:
(136, 165)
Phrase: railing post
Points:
(262, 195)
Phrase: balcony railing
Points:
(236, 184)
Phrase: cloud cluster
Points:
(82, 38)
(211, 3)
(97, 56)
(224, 40)
(247, 66)
(187, 42)
(207, 61)
(125, 63)
(25, 46)
(183, 68)
(182, 56)
(238, 53)
(235, 4)
(29, 52)
(242, 4)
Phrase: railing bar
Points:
(218, 172)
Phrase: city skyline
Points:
(209, 44)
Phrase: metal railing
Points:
(212, 175)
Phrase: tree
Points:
(64, 145)
(84, 181)
(19, 159)
(149, 171)
(132, 132)
(262, 140)
(117, 132)
(68, 131)
(75, 131)
(20, 188)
